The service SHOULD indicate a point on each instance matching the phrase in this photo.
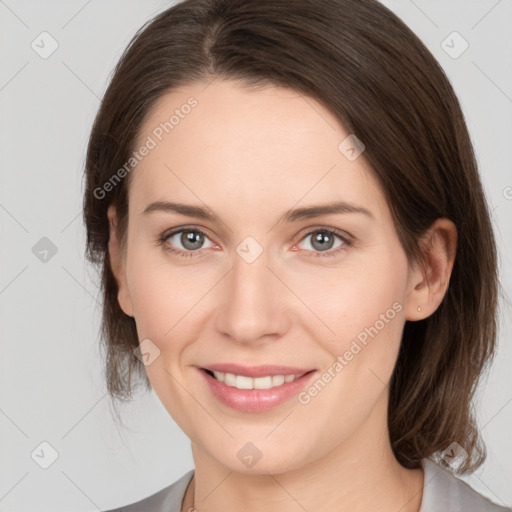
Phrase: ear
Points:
(427, 290)
(117, 263)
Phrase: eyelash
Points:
(162, 240)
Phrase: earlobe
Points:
(116, 263)
(430, 283)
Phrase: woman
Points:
(284, 202)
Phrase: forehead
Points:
(225, 144)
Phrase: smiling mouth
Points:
(245, 382)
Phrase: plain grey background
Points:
(51, 388)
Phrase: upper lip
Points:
(256, 371)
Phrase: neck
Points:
(359, 475)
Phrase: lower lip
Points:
(255, 400)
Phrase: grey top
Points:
(442, 492)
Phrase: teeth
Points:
(243, 382)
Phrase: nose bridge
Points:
(252, 306)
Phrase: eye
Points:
(323, 240)
(190, 239)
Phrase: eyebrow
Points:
(293, 215)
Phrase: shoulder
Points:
(442, 490)
(168, 499)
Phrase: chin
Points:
(251, 460)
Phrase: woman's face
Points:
(325, 294)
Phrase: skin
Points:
(250, 155)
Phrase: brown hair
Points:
(367, 67)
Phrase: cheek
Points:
(170, 303)
(159, 299)
(363, 293)
(371, 326)
(366, 312)
(166, 312)
(157, 288)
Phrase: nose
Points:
(253, 304)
